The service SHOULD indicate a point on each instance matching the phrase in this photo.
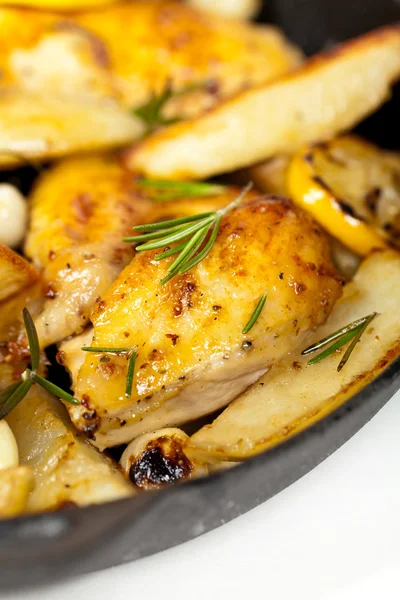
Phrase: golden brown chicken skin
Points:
(132, 49)
(81, 210)
(192, 357)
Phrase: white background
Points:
(333, 535)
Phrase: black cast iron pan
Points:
(40, 549)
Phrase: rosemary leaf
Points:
(207, 248)
(171, 190)
(154, 235)
(106, 350)
(333, 336)
(356, 339)
(175, 237)
(7, 392)
(32, 339)
(172, 222)
(151, 112)
(171, 251)
(345, 339)
(256, 313)
(191, 245)
(54, 389)
(18, 394)
(130, 375)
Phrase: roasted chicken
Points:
(192, 357)
(81, 209)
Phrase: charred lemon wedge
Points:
(352, 188)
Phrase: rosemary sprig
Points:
(151, 112)
(353, 331)
(163, 191)
(14, 393)
(130, 375)
(131, 366)
(107, 350)
(256, 313)
(192, 231)
(355, 341)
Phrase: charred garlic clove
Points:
(14, 212)
(157, 459)
(8, 447)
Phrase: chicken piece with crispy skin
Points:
(81, 210)
(192, 357)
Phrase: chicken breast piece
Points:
(81, 210)
(329, 94)
(192, 357)
(85, 54)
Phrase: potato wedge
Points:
(329, 94)
(292, 396)
(47, 126)
(16, 483)
(66, 468)
(16, 273)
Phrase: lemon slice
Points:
(352, 188)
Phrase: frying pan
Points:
(40, 549)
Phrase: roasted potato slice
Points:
(292, 395)
(47, 126)
(66, 468)
(16, 483)
(16, 273)
(329, 94)
(352, 188)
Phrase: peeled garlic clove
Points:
(8, 447)
(13, 215)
